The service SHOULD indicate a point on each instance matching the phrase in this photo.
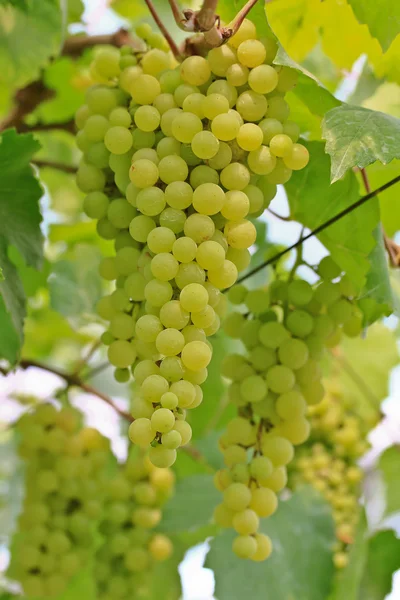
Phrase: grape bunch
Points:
(64, 480)
(135, 495)
(284, 329)
(177, 160)
(329, 463)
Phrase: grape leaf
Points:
(357, 137)
(20, 227)
(389, 464)
(75, 10)
(382, 18)
(388, 200)
(366, 86)
(192, 504)
(21, 4)
(313, 201)
(347, 584)
(75, 284)
(383, 560)
(296, 24)
(364, 380)
(28, 39)
(59, 76)
(300, 566)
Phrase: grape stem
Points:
(75, 380)
(163, 29)
(64, 126)
(234, 25)
(299, 258)
(75, 45)
(391, 247)
(321, 227)
(50, 164)
(280, 217)
(83, 362)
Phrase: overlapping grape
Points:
(176, 158)
(285, 329)
(133, 509)
(64, 481)
(329, 463)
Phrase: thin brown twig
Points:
(73, 380)
(321, 227)
(391, 247)
(163, 29)
(50, 164)
(25, 102)
(234, 25)
(75, 45)
(281, 217)
(177, 14)
(63, 126)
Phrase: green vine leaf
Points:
(357, 137)
(313, 201)
(192, 504)
(382, 18)
(75, 284)
(20, 220)
(28, 38)
(389, 464)
(383, 561)
(300, 566)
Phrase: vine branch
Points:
(163, 29)
(391, 247)
(75, 45)
(321, 227)
(73, 380)
(50, 164)
(64, 126)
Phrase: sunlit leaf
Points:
(383, 18)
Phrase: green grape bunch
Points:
(135, 495)
(329, 463)
(178, 160)
(285, 329)
(65, 471)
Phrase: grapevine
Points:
(285, 330)
(132, 510)
(195, 149)
(328, 462)
(65, 474)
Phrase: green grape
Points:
(280, 379)
(278, 449)
(220, 59)
(143, 173)
(263, 79)
(208, 198)
(121, 354)
(172, 168)
(300, 323)
(293, 353)
(205, 145)
(120, 213)
(244, 546)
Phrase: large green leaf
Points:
(379, 174)
(313, 201)
(28, 39)
(348, 582)
(357, 137)
(383, 560)
(364, 379)
(309, 90)
(192, 504)
(300, 567)
(20, 220)
(59, 77)
(75, 284)
(389, 464)
(382, 18)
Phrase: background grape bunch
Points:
(175, 160)
(135, 495)
(285, 328)
(328, 462)
(65, 474)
